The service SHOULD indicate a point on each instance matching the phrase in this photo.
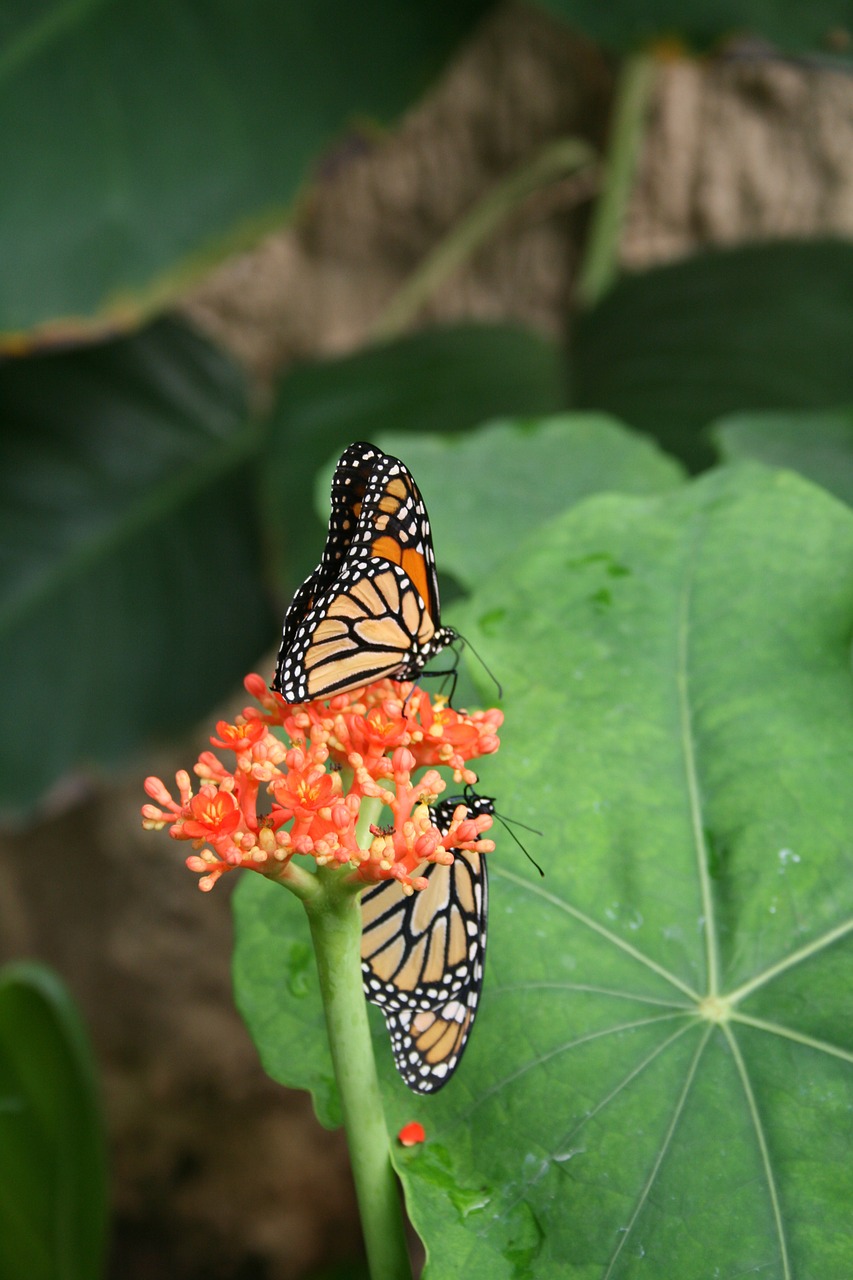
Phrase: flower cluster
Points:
(313, 778)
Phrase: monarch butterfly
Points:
(370, 608)
(422, 957)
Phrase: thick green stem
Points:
(601, 255)
(556, 160)
(335, 918)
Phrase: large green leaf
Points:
(447, 379)
(130, 591)
(53, 1208)
(535, 468)
(761, 327)
(817, 445)
(664, 1043)
(792, 26)
(138, 141)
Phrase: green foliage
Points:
(791, 26)
(140, 141)
(52, 1160)
(130, 594)
(663, 1043)
(761, 327)
(817, 445)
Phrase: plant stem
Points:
(556, 160)
(600, 261)
(335, 919)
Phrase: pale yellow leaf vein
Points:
(673, 1124)
(762, 1145)
(777, 1029)
(788, 962)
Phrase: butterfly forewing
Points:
(423, 957)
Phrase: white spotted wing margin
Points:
(348, 488)
(423, 958)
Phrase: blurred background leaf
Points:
(53, 1180)
(130, 588)
(758, 327)
(141, 141)
(817, 445)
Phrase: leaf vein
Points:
(762, 1144)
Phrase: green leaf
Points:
(792, 26)
(761, 327)
(140, 141)
(685, 746)
(535, 467)
(664, 1041)
(447, 379)
(53, 1207)
(131, 596)
(817, 445)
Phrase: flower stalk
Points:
(335, 919)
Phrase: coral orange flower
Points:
(313, 780)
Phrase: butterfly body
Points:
(423, 958)
(370, 609)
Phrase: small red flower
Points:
(411, 1134)
(303, 775)
(214, 813)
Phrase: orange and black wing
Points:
(371, 608)
(423, 957)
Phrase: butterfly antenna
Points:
(496, 682)
(505, 824)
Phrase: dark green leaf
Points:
(53, 1209)
(139, 141)
(131, 597)
(792, 26)
(761, 327)
(447, 379)
(817, 445)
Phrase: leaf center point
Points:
(715, 1008)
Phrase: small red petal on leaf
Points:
(411, 1134)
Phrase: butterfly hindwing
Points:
(423, 958)
(370, 608)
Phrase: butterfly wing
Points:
(349, 485)
(371, 609)
(423, 958)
